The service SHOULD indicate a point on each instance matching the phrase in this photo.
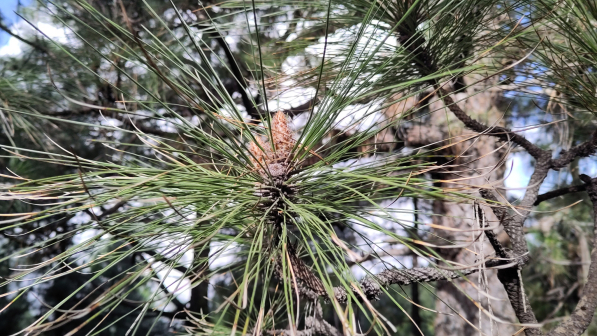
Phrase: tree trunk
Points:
(473, 159)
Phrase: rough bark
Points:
(372, 287)
(512, 224)
(582, 315)
(452, 301)
(510, 275)
(473, 159)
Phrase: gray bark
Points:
(474, 159)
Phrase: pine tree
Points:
(181, 153)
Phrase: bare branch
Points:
(560, 192)
(514, 231)
(512, 282)
(500, 251)
(501, 133)
(585, 149)
(312, 287)
(509, 277)
(513, 224)
(372, 286)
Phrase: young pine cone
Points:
(274, 162)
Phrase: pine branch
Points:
(499, 132)
(372, 287)
(560, 192)
(499, 249)
(509, 277)
(585, 149)
(310, 286)
(578, 322)
(513, 224)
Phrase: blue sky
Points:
(7, 8)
